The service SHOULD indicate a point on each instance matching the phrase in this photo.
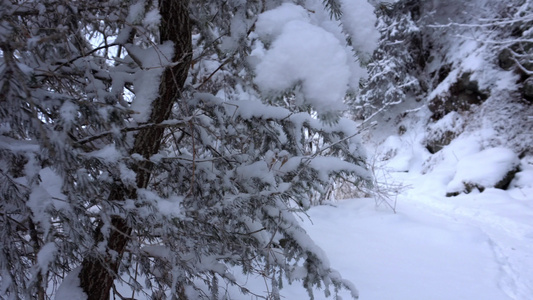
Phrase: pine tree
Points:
(137, 148)
(396, 67)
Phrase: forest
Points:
(266, 149)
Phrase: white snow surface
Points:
(357, 15)
(270, 24)
(152, 19)
(475, 246)
(152, 62)
(485, 168)
(70, 288)
(468, 247)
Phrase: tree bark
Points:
(97, 274)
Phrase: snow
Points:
(328, 165)
(308, 55)
(414, 254)
(157, 251)
(46, 256)
(108, 153)
(152, 19)
(136, 12)
(68, 111)
(258, 170)
(70, 287)
(453, 121)
(152, 62)
(445, 85)
(270, 24)
(238, 29)
(357, 15)
(485, 168)
(45, 196)
(523, 179)
(303, 47)
(254, 109)
(475, 246)
(501, 218)
(167, 206)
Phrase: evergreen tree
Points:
(138, 147)
(395, 70)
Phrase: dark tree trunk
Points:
(97, 273)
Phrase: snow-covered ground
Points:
(472, 246)
(476, 246)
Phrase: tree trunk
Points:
(96, 276)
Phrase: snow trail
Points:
(474, 246)
(505, 221)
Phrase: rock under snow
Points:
(493, 167)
